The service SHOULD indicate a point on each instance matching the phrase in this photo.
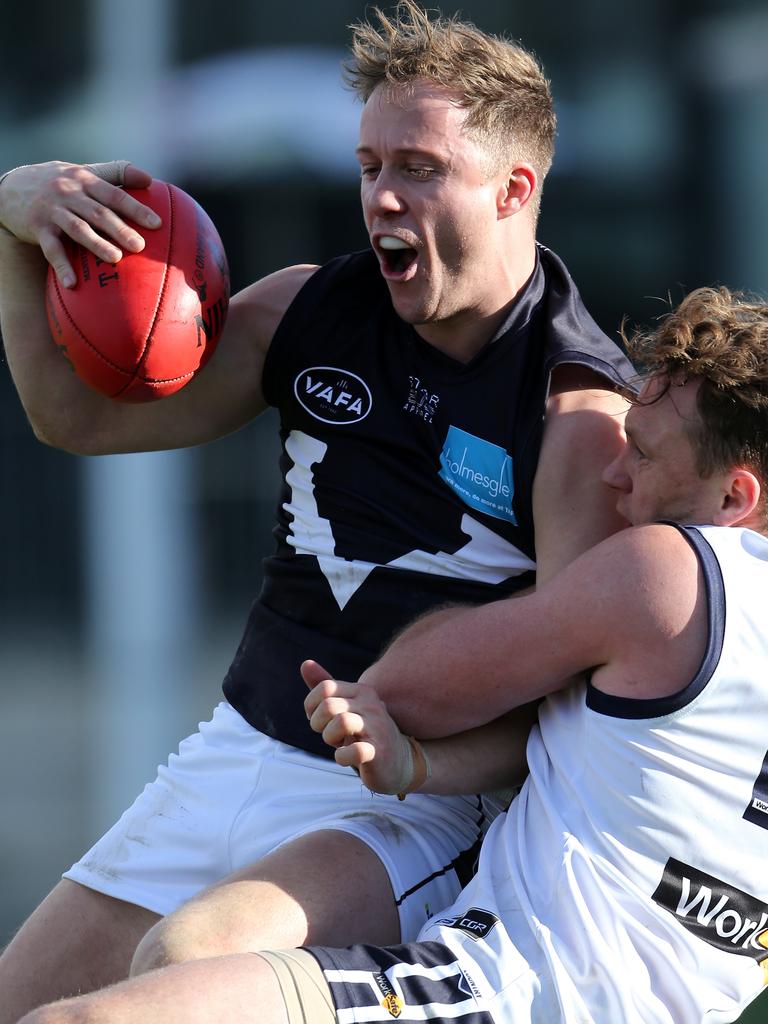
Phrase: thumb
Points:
(313, 673)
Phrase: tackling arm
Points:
(629, 610)
(643, 633)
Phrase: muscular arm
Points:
(37, 205)
(628, 610)
(642, 633)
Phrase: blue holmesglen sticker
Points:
(479, 472)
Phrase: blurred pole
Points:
(132, 54)
(141, 569)
(744, 138)
(141, 594)
(727, 63)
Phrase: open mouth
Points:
(398, 257)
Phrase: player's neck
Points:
(466, 333)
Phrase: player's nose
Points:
(615, 474)
(383, 196)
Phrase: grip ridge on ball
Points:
(158, 307)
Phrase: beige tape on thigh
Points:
(305, 991)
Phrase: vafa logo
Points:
(333, 395)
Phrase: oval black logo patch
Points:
(333, 395)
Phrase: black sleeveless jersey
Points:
(407, 476)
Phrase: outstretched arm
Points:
(628, 610)
(354, 720)
(38, 206)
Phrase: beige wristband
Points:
(5, 174)
(420, 768)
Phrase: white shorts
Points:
(233, 795)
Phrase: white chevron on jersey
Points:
(487, 557)
(455, 1004)
(400, 970)
(311, 534)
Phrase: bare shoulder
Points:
(640, 581)
(254, 316)
(583, 432)
(579, 387)
(584, 416)
(645, 560)
(642, 591)
(259, 308)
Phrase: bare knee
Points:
(214, 924)
(191, 933)
(281, 902)
(159, 948)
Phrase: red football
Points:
(141, 329)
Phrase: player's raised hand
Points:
(40, 203)
(354, 720)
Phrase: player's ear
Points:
(741, 496)
(516, 190)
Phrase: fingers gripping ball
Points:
(142, 329)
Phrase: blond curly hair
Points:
(501, 84)
(722, 337)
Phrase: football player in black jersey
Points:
(456, 138)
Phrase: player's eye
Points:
(636, 449)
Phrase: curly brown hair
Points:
(722, 337)
(499, 82)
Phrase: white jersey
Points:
(635, 857)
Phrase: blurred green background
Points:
(124, 583)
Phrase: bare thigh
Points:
(324, 889)
(236, 989)
(76, 941)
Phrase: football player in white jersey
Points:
(626, 882)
